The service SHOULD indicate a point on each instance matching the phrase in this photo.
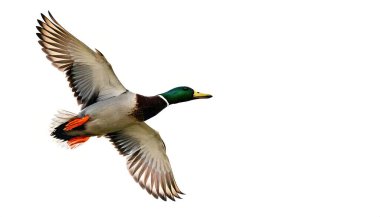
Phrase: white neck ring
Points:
(167, 103)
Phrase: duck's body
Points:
(109, 115)
(109, 109)
(117, 113)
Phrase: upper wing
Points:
(90, 75)
(147, 160)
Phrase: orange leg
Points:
(76, 123)
(74, 142)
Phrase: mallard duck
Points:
(110, 110)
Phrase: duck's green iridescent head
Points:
(183, 94)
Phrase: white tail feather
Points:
(61, 117)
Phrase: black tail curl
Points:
(61, 134)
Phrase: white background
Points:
(292, 130)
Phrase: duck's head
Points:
(183, 94)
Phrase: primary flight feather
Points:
(110, 110)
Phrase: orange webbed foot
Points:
(76, 141)
(76, 123)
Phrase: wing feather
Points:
(90, 75)
(146, 160)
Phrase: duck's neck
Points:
(149, 106)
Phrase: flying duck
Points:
(109, 109)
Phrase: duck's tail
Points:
(63, 123)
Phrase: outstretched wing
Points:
(146, 159)
(90, 75)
